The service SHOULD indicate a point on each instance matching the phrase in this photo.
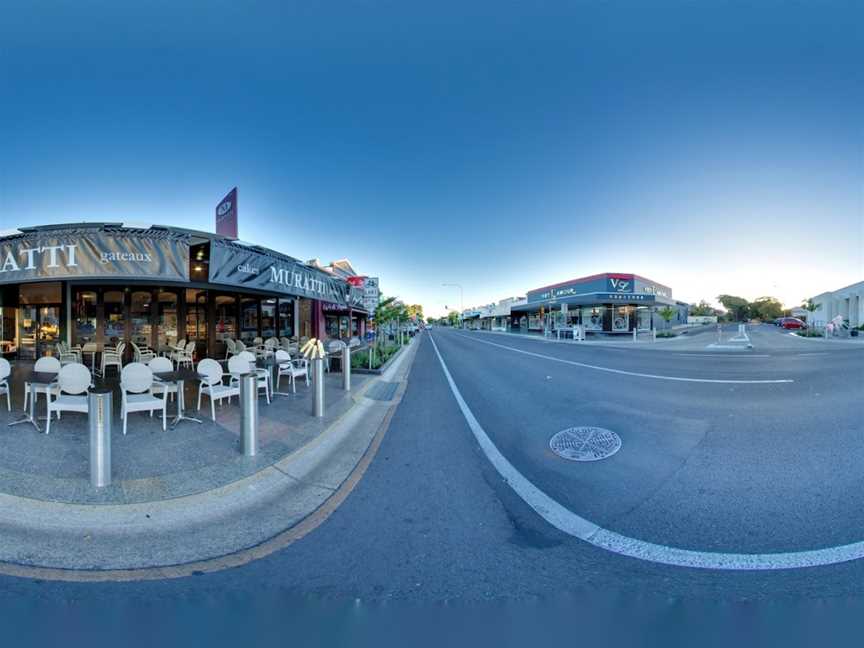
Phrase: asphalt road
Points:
(709, 466)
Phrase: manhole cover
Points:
(585, 443)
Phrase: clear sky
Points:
(713, 147)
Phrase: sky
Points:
(715, 147)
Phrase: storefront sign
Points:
(75, 255)
(236, 266)
(226, 215)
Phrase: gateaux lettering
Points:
(28, 257)
(141, 257)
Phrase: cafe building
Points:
(607, 303)
(107, 283)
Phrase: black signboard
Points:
(93, 254)
(235, 265)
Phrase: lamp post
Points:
(461, 299)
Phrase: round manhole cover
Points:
(585, 443)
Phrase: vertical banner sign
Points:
(226, 215)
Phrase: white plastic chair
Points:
(72, 385)
(66, 357)
(240, 346)
(112, 358)
(158, 365)
(48, 365)
(5, 370)
(211, 384)
(292, 368)
(230, 348)
(186, 356)
(136, 380)
(142, 354)
(244, 363)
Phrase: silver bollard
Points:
(99, 404)
(346, 368)
(249, 416)
(318, 387)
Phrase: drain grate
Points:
(585, 443)
(382, 391)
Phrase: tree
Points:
(702, 308)
(415, 311)
(811, 307)
(667, 313)
(738, 307)
(766, 308)
(453, 318)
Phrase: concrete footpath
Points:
(207, 526)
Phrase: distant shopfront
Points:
(105, 284)
(609, 303)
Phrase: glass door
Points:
(114, 322)
(49, 331)
(28, 326)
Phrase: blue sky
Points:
(714, 147)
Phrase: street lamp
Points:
(461, 298)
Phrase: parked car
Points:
(778, 321)
(792, 323)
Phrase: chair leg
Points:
(26, 395)
(164, 416)
(48, 422)
(212, 407)
(199, 397)
(125, 416)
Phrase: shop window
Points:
(84, 317)
(196, 319)
(286, 318)
(113, 324)
(592, 318)
(268, 318)
(40, 293)
(140, 317)
(248, 320)
(226, 321)
(167, 333)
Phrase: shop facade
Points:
(107, 283)
(608, 303)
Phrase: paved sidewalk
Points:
(235, 520)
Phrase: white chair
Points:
(257, 341)
(72, 385)
(230, 348)
(211, 384)
(158, 365)
(66, 357)
(244, 363)
(142, 354)
(112, 358)
(240, 346)
(48, 365)
(136, 380)
(5, 370)
(292, 368)
(185, 357)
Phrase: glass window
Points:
(140, 313)
(167, 320)
(40, 293)
(305, 318)
(226, 322)
(248, 320)
(268, 318)
(592, 318)
(621, 319)
(113, 325)
(196, 319)
(331, 324)
(286, 318)
(84, 317)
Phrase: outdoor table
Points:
(35, 378)
(179, 377)
(91, 348)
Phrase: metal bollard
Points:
(346, 368)
(318, 387)
(249, 416)
(100, 415)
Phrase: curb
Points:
(221, 528)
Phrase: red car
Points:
(792, 323)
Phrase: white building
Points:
(847, 302)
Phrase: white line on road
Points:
(575, 525)
(720, 355)
(633, 373)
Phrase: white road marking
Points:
(575, 525)
(724, 381)
(720, 355)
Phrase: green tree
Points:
(766, 308)
(453, 318)
(702, 308)
(738, 307)
(811, 307)
(667, 313)
(415, 311)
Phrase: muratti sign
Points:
(236, 266)
(73, 255)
